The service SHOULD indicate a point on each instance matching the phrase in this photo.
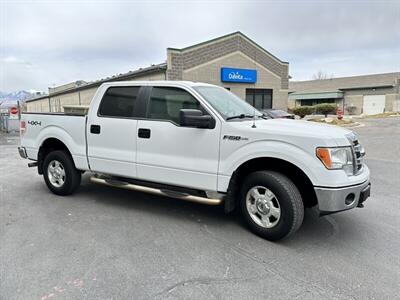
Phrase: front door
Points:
(171, 154)
(111, 133)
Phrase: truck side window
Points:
(119, 101)
(166, 102)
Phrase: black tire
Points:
(289, 201)
(72, 178)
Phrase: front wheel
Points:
(271, 205)
(60, 174)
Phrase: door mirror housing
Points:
(195, 118)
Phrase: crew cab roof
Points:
(157, 82)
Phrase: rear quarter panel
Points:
(68, 129)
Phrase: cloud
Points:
(348, 64)
(65, 41)
(15, 60)
(10, 59)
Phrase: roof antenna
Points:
(254, 113)
(254, 119)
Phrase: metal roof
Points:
(316, 95)
(346, 83)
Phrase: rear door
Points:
(111, 132)
(171, 154)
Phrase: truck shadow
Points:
(315, 230)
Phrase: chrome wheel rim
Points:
(56, 173)
(263, 206)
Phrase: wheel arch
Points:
(48, 145)
(289, 169)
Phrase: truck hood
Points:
(331, 135)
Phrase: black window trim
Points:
(137, 113)
(147, 101)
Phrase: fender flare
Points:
(290, 153)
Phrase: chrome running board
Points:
(154, 191)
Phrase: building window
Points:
(259, 98)
(311, 102)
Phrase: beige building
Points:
(232, 61)
(366, 94)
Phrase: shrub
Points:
(325, 109)
(302, 111)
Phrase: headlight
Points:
(337, 158)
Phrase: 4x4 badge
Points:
(34, 123)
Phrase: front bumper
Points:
(332, 200)
(22, 152)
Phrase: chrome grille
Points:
(358, 156)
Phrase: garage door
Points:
(374, 104)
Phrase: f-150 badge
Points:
(235, 138)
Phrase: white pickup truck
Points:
(199, 142)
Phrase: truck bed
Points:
(68, 127)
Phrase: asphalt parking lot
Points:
(107, 243)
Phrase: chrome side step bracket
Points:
(33, 164)
(154, 191)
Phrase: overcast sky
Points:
(47, 43)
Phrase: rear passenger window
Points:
(119, 101)
(166, 102)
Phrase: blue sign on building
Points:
(238, 75)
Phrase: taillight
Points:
(22, 127)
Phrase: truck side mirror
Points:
(195, 118)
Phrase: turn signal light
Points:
(325, 156)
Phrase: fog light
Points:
(350, 199)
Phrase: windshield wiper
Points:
(241, 116)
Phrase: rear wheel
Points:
(271, 205)
(60, 174)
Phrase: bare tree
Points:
(320, 75)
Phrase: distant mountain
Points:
(19, 95)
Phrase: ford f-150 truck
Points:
(200, 142)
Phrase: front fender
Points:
(293, 154)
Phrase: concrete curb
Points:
(355, 125)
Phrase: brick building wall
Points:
(179, 60)
(203, 62)
(210, 72)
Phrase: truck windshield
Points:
(227, 104)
